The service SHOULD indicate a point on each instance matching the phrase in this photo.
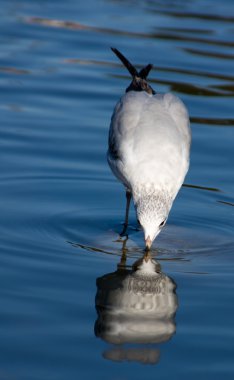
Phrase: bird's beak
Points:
(147, 256)
(148, 243)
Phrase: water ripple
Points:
(155, 35)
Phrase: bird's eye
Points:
(162, 224)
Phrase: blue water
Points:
(61, 208)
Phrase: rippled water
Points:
(61, 209)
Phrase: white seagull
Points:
(149, 147)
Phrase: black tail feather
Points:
(133, 71)
(145, 71)
(139, 82)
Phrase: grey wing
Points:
(179, 114)
(112, 145)
(113, 154)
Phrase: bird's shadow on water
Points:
(136, 308)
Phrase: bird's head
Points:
(152, 213)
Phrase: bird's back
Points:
(149, 140)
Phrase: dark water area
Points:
(67, 291)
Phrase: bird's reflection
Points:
(135, 305)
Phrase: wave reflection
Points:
(135, 306)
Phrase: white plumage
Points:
(149, 144)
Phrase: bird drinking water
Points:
(149, 147)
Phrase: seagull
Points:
(148, 149)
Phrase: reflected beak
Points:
(148, 243)
(147, 256)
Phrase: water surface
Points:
(62, 210)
